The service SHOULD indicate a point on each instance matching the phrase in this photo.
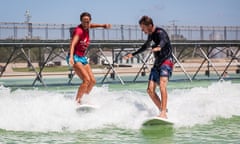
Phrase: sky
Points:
(163, 12)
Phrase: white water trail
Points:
(201, 105)
(36, 110)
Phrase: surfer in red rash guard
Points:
(77, 54)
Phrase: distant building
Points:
(59, 60)
(118, 57)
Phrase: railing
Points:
(44, 31)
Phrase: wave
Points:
(43, 111)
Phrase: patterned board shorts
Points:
(162, 71)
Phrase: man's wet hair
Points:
(146, 20)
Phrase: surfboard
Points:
(86, 108)
(157, 121)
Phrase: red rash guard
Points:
(83, 42)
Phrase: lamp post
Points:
(29, 35)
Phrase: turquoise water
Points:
(202, 111)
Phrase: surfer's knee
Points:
(86, 81)
(150, 91)
(163, 86)
(93, 82)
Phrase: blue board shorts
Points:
(76, 58)
(162, 71)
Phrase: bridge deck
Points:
(204, 48)
(117, 43)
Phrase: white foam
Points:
(35, 110)
(202, 105)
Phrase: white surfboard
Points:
(157, 121)
(86, 108)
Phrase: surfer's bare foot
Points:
(78, 100)
(163, 115)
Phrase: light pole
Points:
(29, 35)
(175, 34)
(27, 16)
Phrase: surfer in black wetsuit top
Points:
(163, 64)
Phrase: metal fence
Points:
(44, 31)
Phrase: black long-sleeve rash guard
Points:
(160, 39)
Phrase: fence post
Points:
(62, 31)
(225, 33)
(201, 33)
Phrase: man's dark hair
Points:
(146, 20)
(85, 14)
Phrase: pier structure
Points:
(52, 40)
